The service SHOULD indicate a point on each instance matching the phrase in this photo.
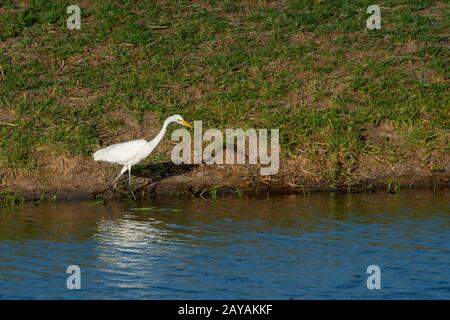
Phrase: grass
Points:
(10, 198)
(309, 68)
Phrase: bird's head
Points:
(179, 119)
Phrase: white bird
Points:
(132, 152)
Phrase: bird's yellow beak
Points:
(185, 123)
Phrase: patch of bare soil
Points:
(7, 116)
(383, 133)
(436, 11)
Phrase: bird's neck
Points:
(161, 133)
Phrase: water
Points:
(310, 247)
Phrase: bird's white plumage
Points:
(124, 153)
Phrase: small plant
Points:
(213, 191)
(45, 197)
(11, 198)
(397, 187)
(394, 187)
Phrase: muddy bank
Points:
(81, 177)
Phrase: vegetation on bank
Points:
(311, 68)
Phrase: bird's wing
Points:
(121, 152)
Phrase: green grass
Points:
(309, 68)
(10, 199)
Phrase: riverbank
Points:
(357, 109)
(80, 178)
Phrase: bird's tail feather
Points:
(98, 155)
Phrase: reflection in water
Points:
(292, 247)
(123, 244)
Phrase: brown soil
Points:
(81, 177)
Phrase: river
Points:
(294, 247)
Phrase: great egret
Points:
(132, 152)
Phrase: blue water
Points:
(311, 247)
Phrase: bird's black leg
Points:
(129, 183)
(113, 183)
(105, 199)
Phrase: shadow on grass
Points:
(160, 171)
(151, 173)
